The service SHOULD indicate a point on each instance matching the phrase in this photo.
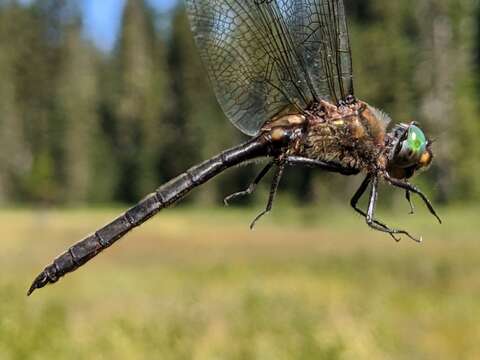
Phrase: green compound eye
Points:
(412, 148)
(416, 140)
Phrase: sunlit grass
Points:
(309, 283)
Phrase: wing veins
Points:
(266, 55)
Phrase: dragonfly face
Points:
(411, 151)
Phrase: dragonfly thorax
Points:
(352, 136)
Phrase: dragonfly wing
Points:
(265, 55)
(321, 34)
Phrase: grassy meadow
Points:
(198, 284)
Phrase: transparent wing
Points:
(321, 34)
(265, 55)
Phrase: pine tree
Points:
(14, 157)
(140, 101)
(201, 128)
(38, 40)
(464, 129)
(446, 86)
(78, 105)
(24, 97)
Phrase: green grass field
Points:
(198, 284)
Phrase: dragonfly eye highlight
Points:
(417, 142)
(412, 148)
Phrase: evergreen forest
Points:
(80, 125)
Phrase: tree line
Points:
(78, 125)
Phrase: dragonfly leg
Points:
(273, 193)
(412, 188)
(409, 199)
(327, 166)
(356, 198)
(370, 218)
(252, 186)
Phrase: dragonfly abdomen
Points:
(164, 196)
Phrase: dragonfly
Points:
(282, 73)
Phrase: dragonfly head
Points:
(410, 151)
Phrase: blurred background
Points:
(103, 101)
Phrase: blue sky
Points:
(102, 18)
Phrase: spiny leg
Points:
(412, 188)
(252, 186)
(332, 167)
(409, 199)
(327, 166)
(356, 198)
(273, 192)
(370, 218)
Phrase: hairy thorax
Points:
(351, 135)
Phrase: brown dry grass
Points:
(197, 284)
